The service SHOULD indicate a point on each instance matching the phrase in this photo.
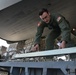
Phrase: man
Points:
(57, 24)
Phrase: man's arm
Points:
(65, 30)
(38, 35)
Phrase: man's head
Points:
(44, 15)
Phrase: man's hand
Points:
(35, 48)
(62, 45)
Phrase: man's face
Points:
(45, 17)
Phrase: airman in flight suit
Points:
(57, 24)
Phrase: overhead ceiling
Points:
(7, 3)
(19, 21)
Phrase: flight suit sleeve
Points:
(38, 35)
(65, 28)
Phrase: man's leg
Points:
(50, 39)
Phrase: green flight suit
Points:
(58, 25)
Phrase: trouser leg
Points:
(70, 44)
(50, 39)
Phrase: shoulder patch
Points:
(39, 23)
(58, 19)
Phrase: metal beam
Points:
(64, 51)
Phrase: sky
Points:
(3, 43)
